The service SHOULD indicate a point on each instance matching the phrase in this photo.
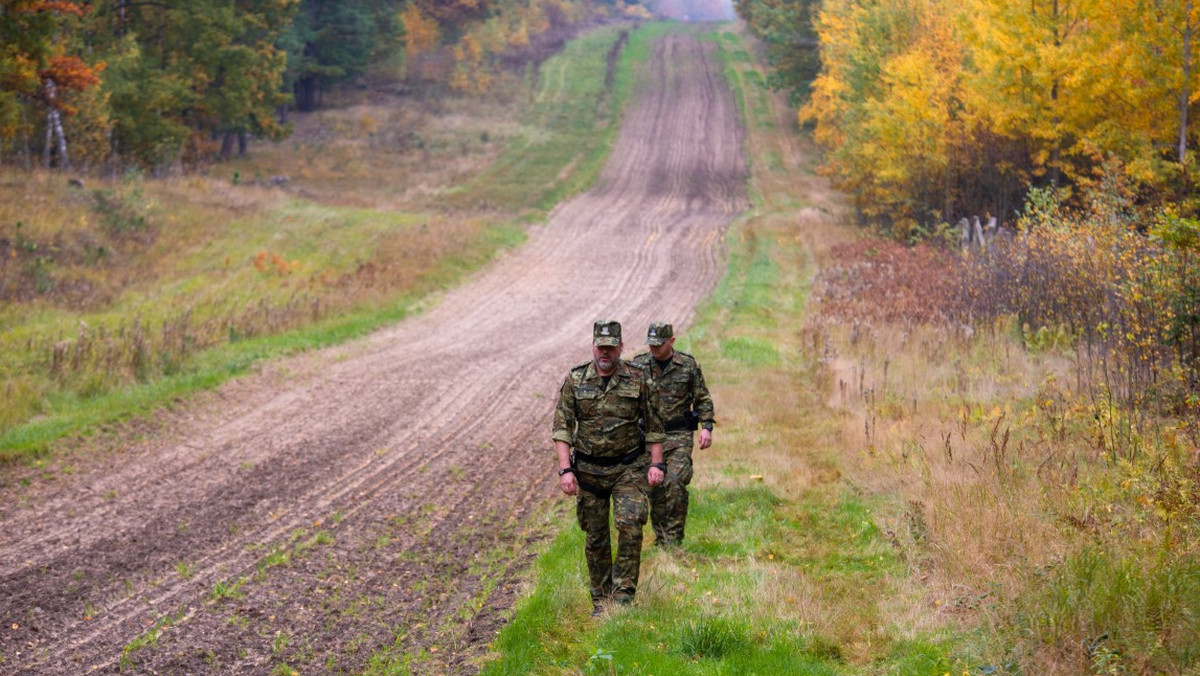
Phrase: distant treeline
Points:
(934, 110)
(118, 83)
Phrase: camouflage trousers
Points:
(669, 500)
(625, 487)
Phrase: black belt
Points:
(610, 460)
(684, 423)
(594, 490)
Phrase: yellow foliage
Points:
(896, 128)
(519, 37)
(471, 72)
(638, 12)
(421, 32)
(473, 49)
(914, 96)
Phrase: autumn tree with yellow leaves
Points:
(935, 110)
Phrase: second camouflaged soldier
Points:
(602, 457)
(684, 405)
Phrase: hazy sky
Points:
(696, 10)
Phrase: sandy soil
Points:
(381, 493)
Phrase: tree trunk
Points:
(54, 130)
(56, 140)
(227, 145)
(64, 160)
(1187, 76)
(306, 94)
(120, 18)
(48, 144)
(26, 148)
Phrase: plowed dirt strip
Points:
(376, 494)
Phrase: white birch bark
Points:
(54, 130)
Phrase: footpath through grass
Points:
(783, 570)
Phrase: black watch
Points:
(662, 466)
(565, 470)
(707, 425)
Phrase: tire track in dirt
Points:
(378, 493)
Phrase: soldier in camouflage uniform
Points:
(602, 457)
(684, 405)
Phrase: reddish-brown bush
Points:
(883, 281)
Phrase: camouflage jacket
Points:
(681, 387)
(602, 421)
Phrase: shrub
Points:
(1129, 301)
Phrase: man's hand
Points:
(655, 476)
(705, 438)
(658, 468)
(566, 480)
(568, 484)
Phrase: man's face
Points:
(606, 357)
(663, 352)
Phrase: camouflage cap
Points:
(605, 332)
(659, 333)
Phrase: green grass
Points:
(699, 607)
(228, 589)
(1121, 606)
(568, 134)
(750, 295)
(750, 351)
(148, 639)
(571, 127)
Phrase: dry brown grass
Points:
(389, 152)
(991, 458)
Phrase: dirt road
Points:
(377, 494)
